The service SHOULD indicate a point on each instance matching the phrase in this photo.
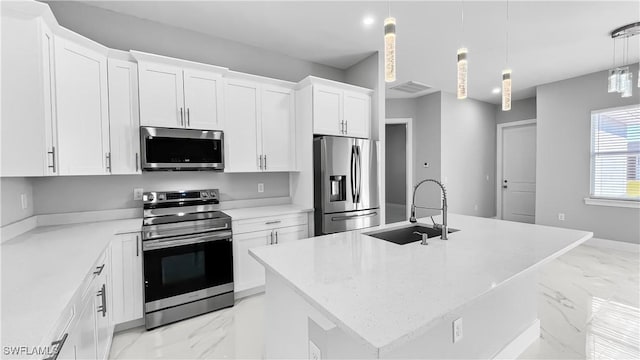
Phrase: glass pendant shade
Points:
(627, 88)
(390, 49)
(613, 80)
(506, 90)
(462, 73)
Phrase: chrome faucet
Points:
(443, 227)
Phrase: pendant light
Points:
(462, 65)
(390, 48)
(620, 78)
(506, 74)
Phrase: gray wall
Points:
(77, 193)
(396, 163)
(10, 201)
(469, 155)
(124, 32)
(563, 157)
(524, 109)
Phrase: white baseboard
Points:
(518, 345)
(612, 244)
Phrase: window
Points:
(615, 153)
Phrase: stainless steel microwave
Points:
(181, 149)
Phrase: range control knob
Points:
(204, 194)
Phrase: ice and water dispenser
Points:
(338, 188)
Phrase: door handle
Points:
(265, 162)
(137, 245)
(504, 186)
(57, 345)
(107, 159)
(271, 238)
(181, 117)
(188, 118)
(353, 173)
(102, 293)
(53, 158)
(260, 162)
(346, 126)
(276, 237)
(137, 162)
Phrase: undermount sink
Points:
(407, 234)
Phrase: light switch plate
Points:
(457, 330)
(314, 351)
(260, 187)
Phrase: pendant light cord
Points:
(507, 37)
(462, 22)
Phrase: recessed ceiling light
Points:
(496, 90)
(368, 20)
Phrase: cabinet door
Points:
(247, 272)
(50, 123)
(277, 125)
(161, 95)
(357, 110)
(124, 122)
(126, 261)
(83, 334)
(241, 126)
(82, 107)
(327, 111)
(203, 100)
(292, 233)
(104, 328)
(26, 102)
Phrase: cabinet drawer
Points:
(99, 267)
(269, 222)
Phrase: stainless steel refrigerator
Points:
(345, 184)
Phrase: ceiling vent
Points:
(411, 87)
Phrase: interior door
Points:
(82, 106)
(338, 169)
(241, 127)
(519, 173)
(161, 95)
(278, 134)
(357, 108)
(202, 92)
(327, 110)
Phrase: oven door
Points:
(181, 149)
(182, 269)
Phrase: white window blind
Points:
(615, 153)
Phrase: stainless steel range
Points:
(188, 255)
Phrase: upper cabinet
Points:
(82, 108)
(28, 136)
(179, 94)
(124, 120)
(259, 131)
(339, 109)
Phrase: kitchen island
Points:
(349, 295)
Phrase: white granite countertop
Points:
(388, 294)
(263, 211)
(42, 269)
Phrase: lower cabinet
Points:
(257, 232)
(127, 278)
(89, 333)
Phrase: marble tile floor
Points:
(588, 302)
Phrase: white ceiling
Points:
(549, 40)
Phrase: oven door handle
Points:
(184, 240)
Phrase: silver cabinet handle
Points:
(107, 158)
(188, 118)
(181, 117)
(342, 127)
(273, 222)
(58, 344)
(265, 162)
(53, 158)
(276, 237)
(271, 238)
(98, 270)
(137, 245)
(102, 293)
(137, 162)
(260, 162)
(346, 126)
(340, 218)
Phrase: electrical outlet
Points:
(137, 193)
(23, 201)
(260, 187)
(561, 216)
(457, 330)
(314, 351)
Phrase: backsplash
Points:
(52, 195)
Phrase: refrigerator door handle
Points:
(359, 166)
(353, 174)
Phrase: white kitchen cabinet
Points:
(28, 136)
(124, 120)
(103, 308)
(83, 334)
(241, 128)
(277, 128)
(256, 232)
(203, 103)
(127, 278)
(82, 109)
(259, 131)
(179, 94)
(338, 109)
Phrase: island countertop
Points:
(388, 294)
